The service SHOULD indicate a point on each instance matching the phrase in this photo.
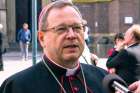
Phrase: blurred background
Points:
(104, 17)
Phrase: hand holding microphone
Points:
(113, 83)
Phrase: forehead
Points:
(66, 14)
(25, 25)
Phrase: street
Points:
(13, 63)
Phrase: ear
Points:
(41, 37)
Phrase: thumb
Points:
(133, 86)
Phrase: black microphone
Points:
(112, 83)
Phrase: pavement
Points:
(13, 63)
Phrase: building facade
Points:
(107, 17)
(104, 18)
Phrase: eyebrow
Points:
(67, 24)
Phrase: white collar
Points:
(69, 71)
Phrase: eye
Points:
(77, 27)
(61, 29)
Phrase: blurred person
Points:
(87, 57)
(61, 35)
(86, 34)
(94, 59)
(118, 40)
(135, 87)
(1, 43)
(118, 45)
(24, 37)
(127, 61)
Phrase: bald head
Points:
(132, 35)
(43, 17)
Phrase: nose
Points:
(71, 34)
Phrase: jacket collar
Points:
(59, 70)
(135, 44)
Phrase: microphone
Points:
(112, 83)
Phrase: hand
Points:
(94, 58)
(112, 70)
(28, 42)
(120, 46)
(135, 87)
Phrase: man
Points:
(24, 37)
(135, 87)
(127, 61)
(61, 35)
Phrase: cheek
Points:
(127, 39)
(54, 42)
(47, 41)
(59, 42)
(82, 40)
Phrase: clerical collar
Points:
(69, 72)
(72, 71)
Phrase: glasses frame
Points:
(76, 27)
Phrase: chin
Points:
(71, 58)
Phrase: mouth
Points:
(71, 46)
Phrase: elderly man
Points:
(61, 35)
(127, 61)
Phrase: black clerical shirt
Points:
(37, 79)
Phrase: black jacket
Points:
(127, 63)
(37, 79)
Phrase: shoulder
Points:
(20, 81)
(94, 76)
(133, 51)
(129, 51)
(94, 70)
(27, 75)
(20, 30)
(134, 47)
(123, 52)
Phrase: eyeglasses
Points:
(78, 28)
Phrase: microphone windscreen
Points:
(108, 82)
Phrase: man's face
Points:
(128, 37)
(25, 26)
(61, 45)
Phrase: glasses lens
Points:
(77, 27)
(61, 28)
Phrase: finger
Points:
(133, 86)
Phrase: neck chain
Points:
(52, 73)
